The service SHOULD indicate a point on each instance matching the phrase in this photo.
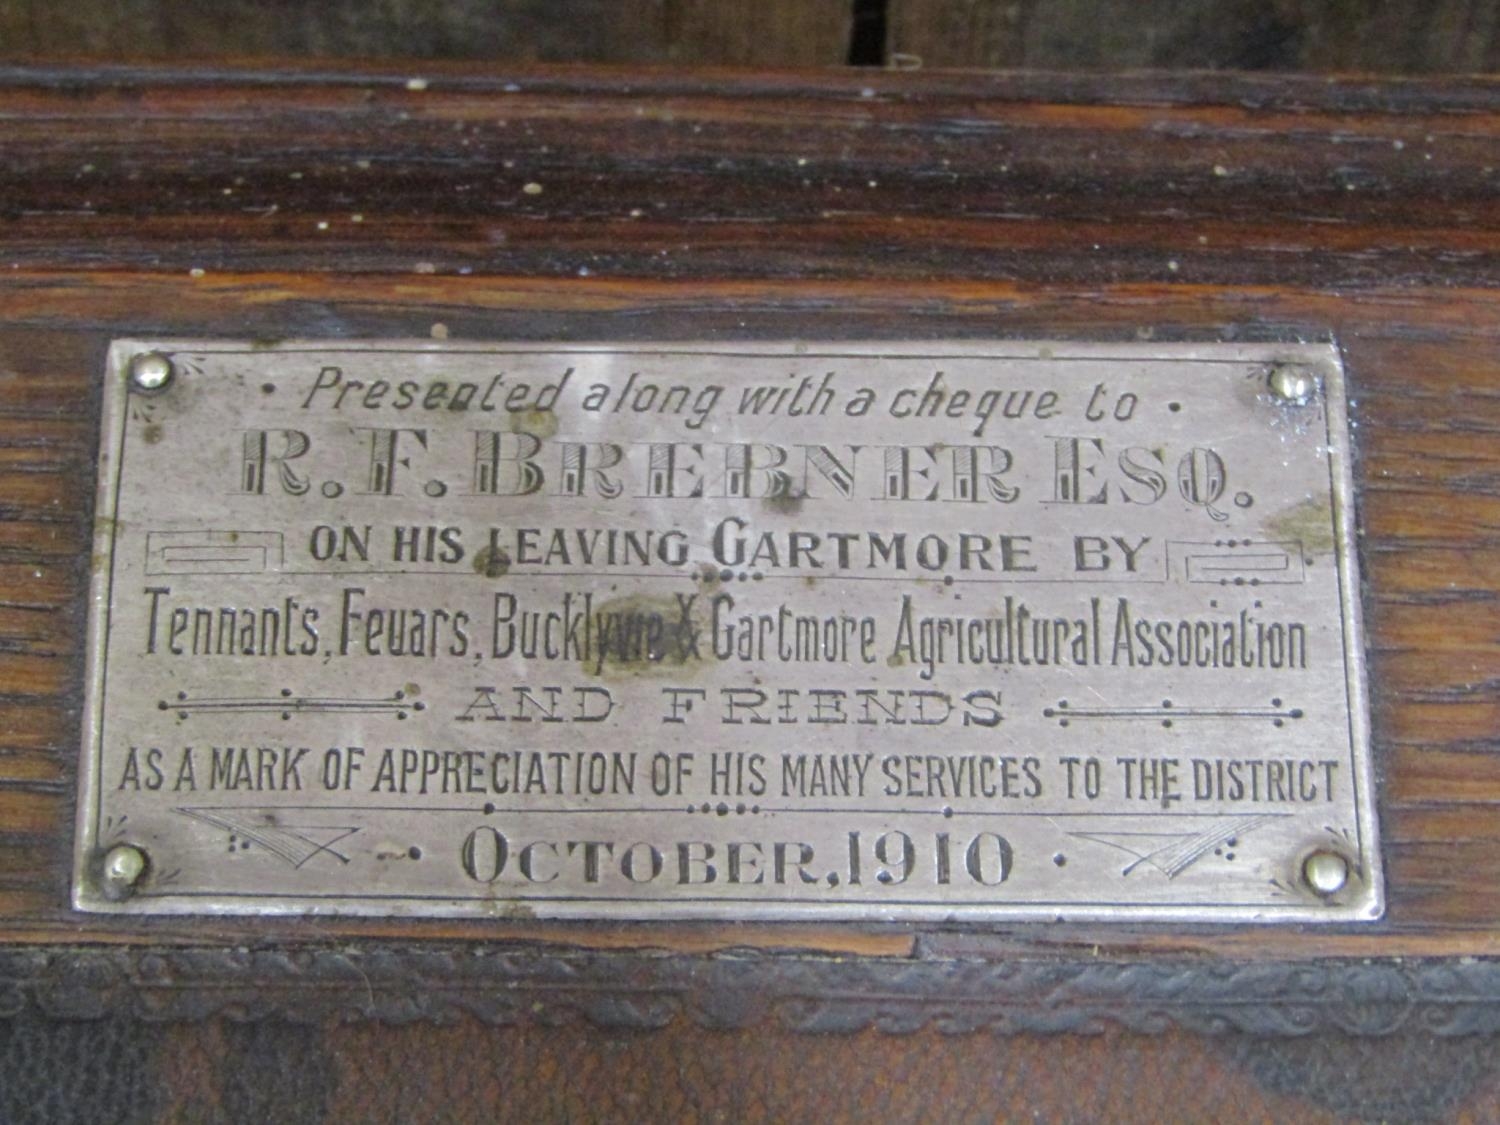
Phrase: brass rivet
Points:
(1291, 384)
(124, 864)
(150, 371)
(1327, 873)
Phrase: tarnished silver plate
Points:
(948, 630)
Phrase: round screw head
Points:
(1292, 384)
(1327, 873)
(124, 864)
(150, 371)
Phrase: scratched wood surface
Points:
(338, 204)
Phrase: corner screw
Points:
(150, 371)
(1326, 873)
(1292, 385)
(124, 864)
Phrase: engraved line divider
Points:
(480, 810)
(1166, 712)
(1228, 562)
(1085, 907)
(288, 704)
(606, 349)
(213, 551)
(679, 575)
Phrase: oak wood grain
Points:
(1023, 206)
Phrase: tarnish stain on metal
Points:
(1308, 522)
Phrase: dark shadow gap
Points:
(867, 33)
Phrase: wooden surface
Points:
(782, 205)
(702, 32)
(1389, 36)
(1395, 36)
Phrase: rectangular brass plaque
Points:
(940, 630)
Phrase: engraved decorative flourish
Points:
(1172, 853)
(295, 843)
(288, 704)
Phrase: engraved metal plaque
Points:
(946, 631)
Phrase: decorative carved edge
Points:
(746, 988)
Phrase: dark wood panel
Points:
(568, 174)
(674, 206)
(1349, 36)
(702, 32)
(1392, 37)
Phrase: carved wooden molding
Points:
(743, 989)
